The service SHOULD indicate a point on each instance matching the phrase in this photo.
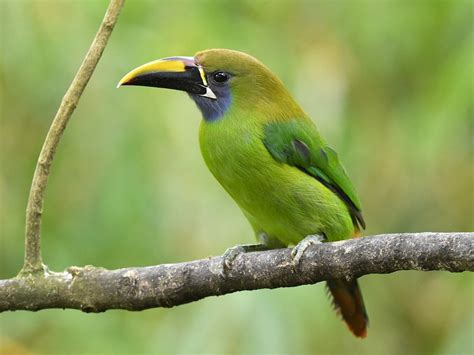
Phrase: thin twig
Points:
(33, 261)
(93, 289)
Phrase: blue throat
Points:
(214, 109)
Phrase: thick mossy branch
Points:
(93, 289)
(34, 210)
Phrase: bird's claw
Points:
(300, 248)
(229, 257)
(231, 254)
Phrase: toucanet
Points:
(269, 156)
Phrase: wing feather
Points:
(297, 143)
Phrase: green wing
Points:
(297, 143)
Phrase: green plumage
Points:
(268, 155)
(270, 158)
(297, 143)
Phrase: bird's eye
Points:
(220, 77)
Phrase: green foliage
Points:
(390, 86)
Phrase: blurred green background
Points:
(390, 85)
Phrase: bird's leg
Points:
(301, 247)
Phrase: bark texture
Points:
(95, 289)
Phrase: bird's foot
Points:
(301, 247)
(232, 253)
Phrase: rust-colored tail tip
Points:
(360, 331)
(348, 302)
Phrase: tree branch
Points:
(92, 289)
(33, 261)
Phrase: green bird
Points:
(269, 156)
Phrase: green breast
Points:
(278, 199)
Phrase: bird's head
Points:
(217, 80)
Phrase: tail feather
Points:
(348, 302)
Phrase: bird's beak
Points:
(178, 73)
